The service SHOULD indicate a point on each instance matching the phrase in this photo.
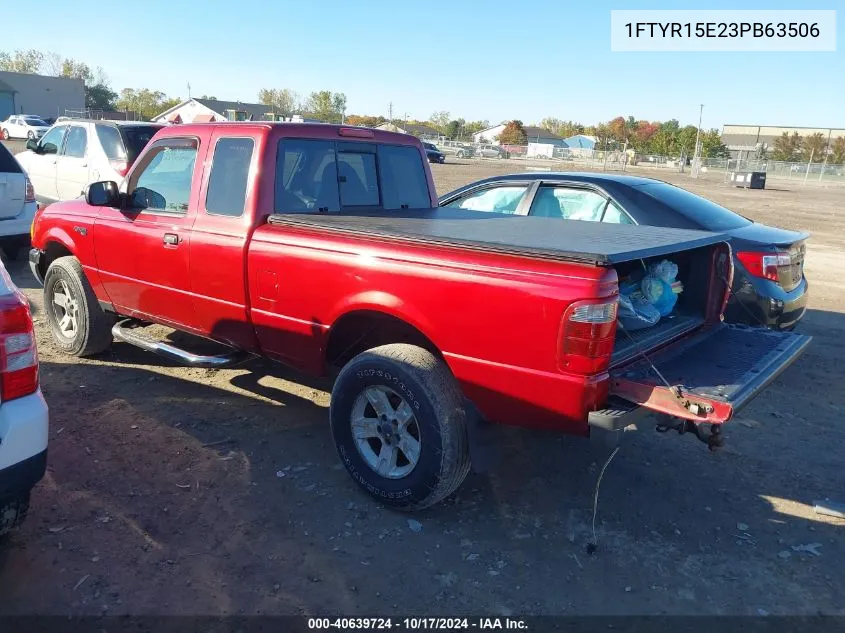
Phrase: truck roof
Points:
(309, 130)
(593, 243)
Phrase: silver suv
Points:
(76, 152)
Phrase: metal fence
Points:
(568, 158)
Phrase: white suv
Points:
(17, 205)
(76, 152)
(23, 412)
(23, 126)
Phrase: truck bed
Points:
(549, 238)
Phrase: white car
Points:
(23, 412)
(76, 152)
(24, 126)
(17, 205)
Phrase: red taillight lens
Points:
(120, 166)
(29, 196)
(18, 354)
(587, 336)
(764, 265)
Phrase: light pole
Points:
(696, 156)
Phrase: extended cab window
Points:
(229, 174)
(325, 176)
(164, 182)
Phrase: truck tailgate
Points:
(711, 375)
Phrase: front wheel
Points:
(460, 154)
(30, 135)
(399, 425)
(77, 322)
(4, 134)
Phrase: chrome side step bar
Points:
(122, 331)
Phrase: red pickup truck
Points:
(321, 247)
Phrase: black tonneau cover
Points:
(549, 238)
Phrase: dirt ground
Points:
(138, 516)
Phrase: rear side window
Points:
(8, 164)
(76, 142)
(111, 142)
(326, 176)
(708, 215)
(229, 174)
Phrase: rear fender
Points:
(386, 303)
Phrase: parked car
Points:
(491, 151)
(76, 152)
(23, 126)
(17, 205)
(317, 246)
(433, 154)
(23, 412)
(456, 149)
(769, 287)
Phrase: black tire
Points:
(93, 332)
(12, 513)
(429, 387)
(4, 135)
(30, 135)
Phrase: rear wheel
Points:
(77, 322)
(399, 425)
(460, 154)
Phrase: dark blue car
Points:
(434, 155)
(769, 287)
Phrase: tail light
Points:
(18, 355)
(764, 265)
(120, 166)
(29, 196)
(588, 332)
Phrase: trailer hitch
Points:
(711, 435)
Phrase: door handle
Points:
(171, 239)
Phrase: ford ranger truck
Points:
(322, 247)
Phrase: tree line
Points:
(812, 148)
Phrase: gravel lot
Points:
(137, 516)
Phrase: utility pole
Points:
(390, 112)
(189, 90)
(696, 156)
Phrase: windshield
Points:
(32, 120)
(708, 215)
(429, 146)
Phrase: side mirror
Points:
(102, 194)
(32, 144)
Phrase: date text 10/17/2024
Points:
(418, 623)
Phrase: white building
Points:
(47, 97)
(210, 110)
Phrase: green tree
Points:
(21, 61)
(100, 97)
(326, 106)
(440, 120)
(787, 147)
(686, 140)
(513, 134)
(837, 156)
(474, 127)
(455, 129)
(147, 103)
(284, 101)
(563, 129)
(712, 146)
(365, 120)
(814, 147)
(210, 98)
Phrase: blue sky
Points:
(492, 60)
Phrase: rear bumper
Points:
(17, 481)
(23, 443)
(18, 226)
(763, 302)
